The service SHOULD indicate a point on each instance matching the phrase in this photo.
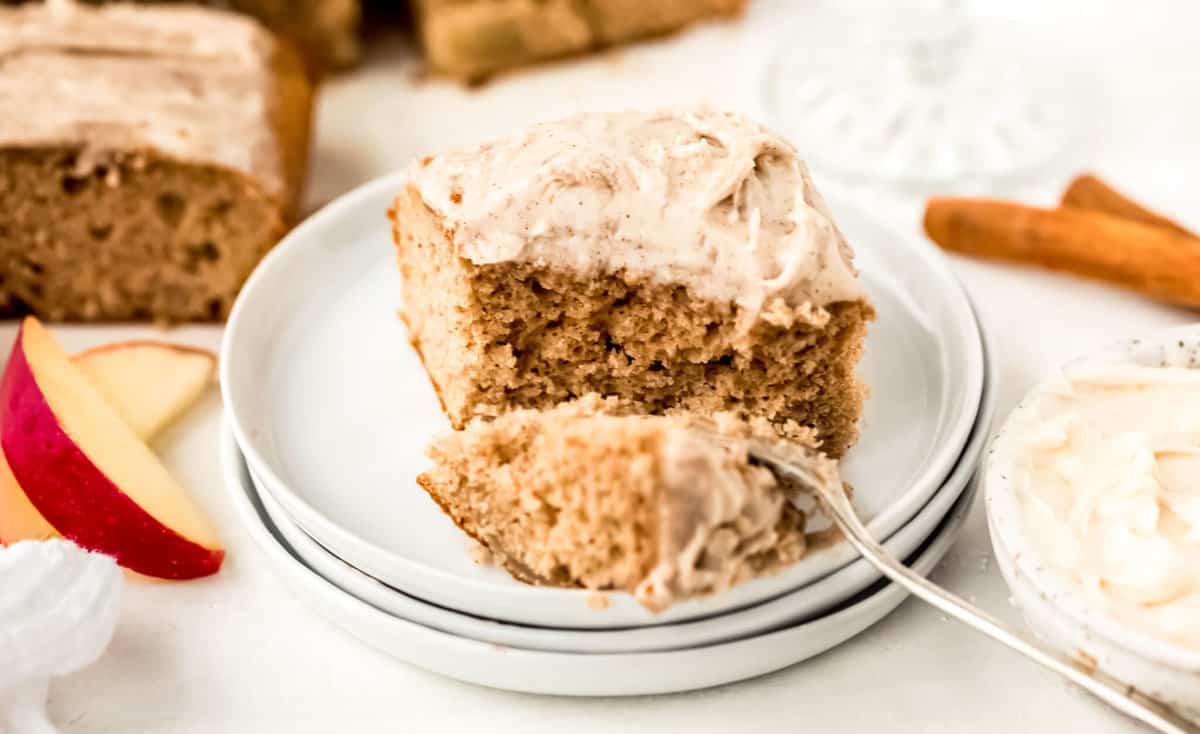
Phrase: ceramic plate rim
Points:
(331, 533)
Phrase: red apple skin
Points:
(75, 497)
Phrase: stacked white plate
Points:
(329, 412)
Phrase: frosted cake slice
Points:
(680, 260)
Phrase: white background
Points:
(236, 653)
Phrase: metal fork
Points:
(809, 469)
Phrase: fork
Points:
(813, 471)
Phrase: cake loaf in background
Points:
(149, 157)
(326, 31)
(471, 39)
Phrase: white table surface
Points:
(237, 653)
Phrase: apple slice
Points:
(88, 473)
(149, 384)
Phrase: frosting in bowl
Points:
(1107, 475)
(701, 198)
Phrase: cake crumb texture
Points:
(592, 495)
(509, 335)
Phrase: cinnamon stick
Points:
(1157, 262)
(1092, 193)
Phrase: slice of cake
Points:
(585, 495)
(679, 260)
(149, 156)
(470, 39)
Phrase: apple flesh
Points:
(88, 474)
(149, 384)
(19, 519)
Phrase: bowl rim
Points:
(1006, 518)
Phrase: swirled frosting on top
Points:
(696, 197)
(188, 83)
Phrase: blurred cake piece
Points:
(681, 260)
(149, 156)
(471, 39)
(583, 495)
(326, 31)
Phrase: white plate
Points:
(566, 673)
(790, 609)
(333, 411)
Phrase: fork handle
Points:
(1121, 697)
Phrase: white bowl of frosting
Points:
(1093, 500)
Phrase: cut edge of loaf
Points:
(138, 238)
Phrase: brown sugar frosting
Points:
(699, 197)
